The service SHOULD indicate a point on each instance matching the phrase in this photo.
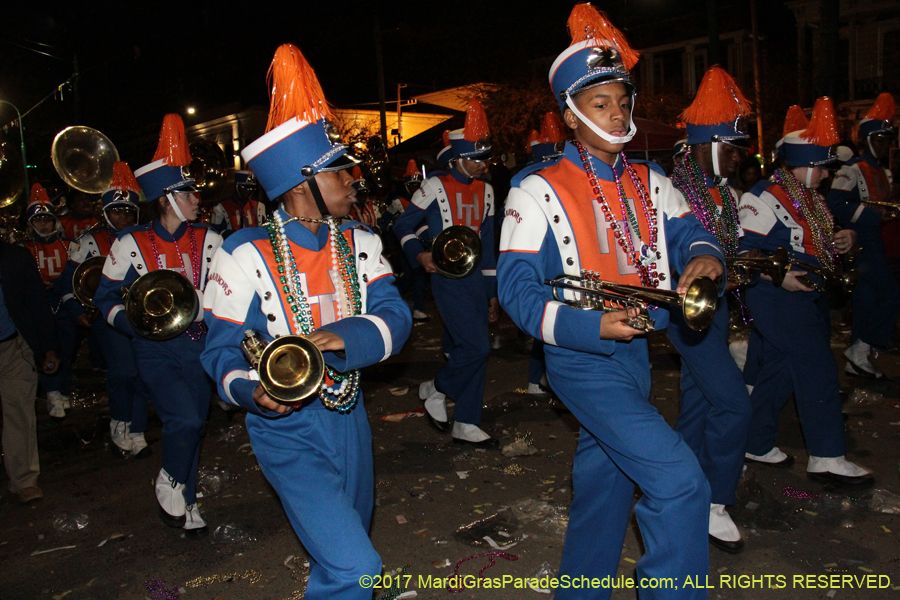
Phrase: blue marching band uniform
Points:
(715, 406)
(170, 369)
(443, 201)
(790, 346)
(127, 395)
(286, 279)
(550, 229)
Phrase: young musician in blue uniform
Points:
(128, 397)
(170, 369)
(595, 210)
(303, 274)
(50, 252)
(241, 209)
(715, 405)
(792, 336)
(467, 304)
(876, 298)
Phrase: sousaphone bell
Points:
(456, 252)
(291, 368)
(161, 305)
(84, 158)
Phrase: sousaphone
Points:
(86, 280)
(84, 158)
(456, 252)
(161, 305)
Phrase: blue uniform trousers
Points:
(320, 463)
(463, 304)
(790, 353)
(715, 407)
(128, 397)
(69, 336)
(876, 303)
(181, 391)
(537, 366)
(625, 442)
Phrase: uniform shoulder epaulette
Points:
(354, 225)
(244, 235)
(532, 168)
(761, 186)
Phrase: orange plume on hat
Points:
(552, 129)
(39, 195)
(588, 23)
(533, 137)
(445, 138)
(123, 179)
(795, 120)
(295, 90)
(476, 127)
(883, 109)
(411, 169)
(718, 100)
(822, 130)
(173, 144)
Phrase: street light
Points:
(191, 110)
(22, 141)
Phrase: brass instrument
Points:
(291, 368)
(84, 158)
(837, 285)
(456, 251)
(161, 305)
(86, 280)
(698, 304)
(891, 210)
(775, 266)
(209, 169)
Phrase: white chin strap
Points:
(174, 205)
(715, 159)
(809, 174)
(462, 169)
(869, 144)
(593, 127)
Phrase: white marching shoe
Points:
(772, 458)
(723, 533)
(435, 406)
(473, 435)
(170, 495)
(837, 470)
(858, 363)
(194, 525)
(118, 433)
(139, 447)
(56, 405)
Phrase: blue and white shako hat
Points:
(300, 140)
(123, 190)
(170, 169)
(39, 203)
(715, 113)
(815, 145)
(878, 120)
(598, 55)
(246, 178)
(472, 142)
(550, 142)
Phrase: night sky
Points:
(140, 60)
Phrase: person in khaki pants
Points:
(27, 331)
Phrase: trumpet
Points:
(775, 266)
(291, 368)
(891, 210)
(698, 304)
(837, 285)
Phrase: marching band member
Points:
(170, 369)
(792, 335)
(715, 405)
(80, 217)
(127, 394)
(241, 209)
(303, 274)
(595, 210)
(50, 252)
(363, 210)
(876, 298)
(468, 304)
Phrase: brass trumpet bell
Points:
(291, 368)
(161, 305)
(84, 158)
(86, 280)
(456, 252)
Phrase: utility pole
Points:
(400, 86)
(379, 60)
(759, 118)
